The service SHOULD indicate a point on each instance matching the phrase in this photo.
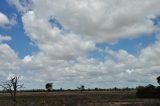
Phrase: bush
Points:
(148, 91)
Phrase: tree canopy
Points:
(158, 79)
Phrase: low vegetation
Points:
(149, 91)
(141, 96)
(76, 98)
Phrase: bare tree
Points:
(12, 86)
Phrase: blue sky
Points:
(132, 46)
(70, 44)
(20, 42)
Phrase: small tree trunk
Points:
(15, 91)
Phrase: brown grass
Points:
(75, 98)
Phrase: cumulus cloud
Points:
(21, 5)
(5, 38)
(10, 64)
(52, 41)
(5, 21)
(62, 56)
(9, 61)
(102, 20)
(119, 66)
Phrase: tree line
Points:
(149, 91)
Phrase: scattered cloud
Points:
(4, 38)
(21, 5)
(5, 21)
(62, 56)
(9, 61)
(118, 66)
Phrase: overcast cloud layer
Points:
(62, 56)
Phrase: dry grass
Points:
(75, 98)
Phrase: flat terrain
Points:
(75, 98)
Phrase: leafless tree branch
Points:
(12, 86)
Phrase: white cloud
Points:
(52, 41)
(21, 5)
(5, 21)
(150, 55)
(62, 55)
(5, 38)
(103, 20)
(9, 61)
(119, 66)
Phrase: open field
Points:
(75, 98)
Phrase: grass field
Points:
(75, 98)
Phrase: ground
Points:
(75, 98)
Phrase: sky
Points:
(100, 43)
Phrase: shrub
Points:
(149, 91)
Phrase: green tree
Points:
(49, 86)
(158, 80)
(81, 88)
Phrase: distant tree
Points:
(49, 86)
(158, 80)
(96, 89)
(12, 86)
(115, 88)
(150, 86)
(81, 88)
(61, 89)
